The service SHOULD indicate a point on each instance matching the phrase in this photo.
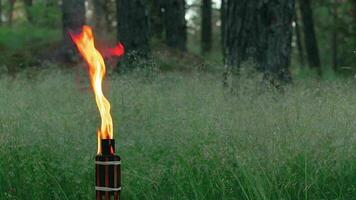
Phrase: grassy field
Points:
(180, 136)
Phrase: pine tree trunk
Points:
(311, 43)
(206, 31)
(73, 18)
(176, 28)
(133, 26)
(260, 30)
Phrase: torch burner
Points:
(108, 172)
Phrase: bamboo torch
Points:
(107, 164)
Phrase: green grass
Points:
(180, 136)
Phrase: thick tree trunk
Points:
(133, 26)
(28, 5)
(299, 39)
(207, 28)
(73, 18)
(175, 23)
(311, 43)
(260, 30)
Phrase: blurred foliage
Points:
(21, 48)
(45, 15)
(336, 17)
(26, 44)
(20, 38)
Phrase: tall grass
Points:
(180, 137)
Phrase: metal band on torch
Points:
(106, 189)
(108, 162)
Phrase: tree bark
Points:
(260, 30)
(299, 39)
(206, 30)
(175, 23)
(73, 18)
(133, 26)
(310, 40)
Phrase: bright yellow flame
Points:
(85, 44)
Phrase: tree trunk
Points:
(206, 30)
(0, 12)
(157, 18)
(133, 26)
(222, 19)
(175, 23)
(73, 18)
(334, 47)
(11, 11)
(223, 27)
(28, 5)
(299, 39)
(260, 30)
(109, 14)
(354, 13)
(99, 14)
(310, 40)
(334, 37)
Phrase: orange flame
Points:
(85, 44)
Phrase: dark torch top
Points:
(108, 146)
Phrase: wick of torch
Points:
(85, 44)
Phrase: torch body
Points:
(108, 172)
